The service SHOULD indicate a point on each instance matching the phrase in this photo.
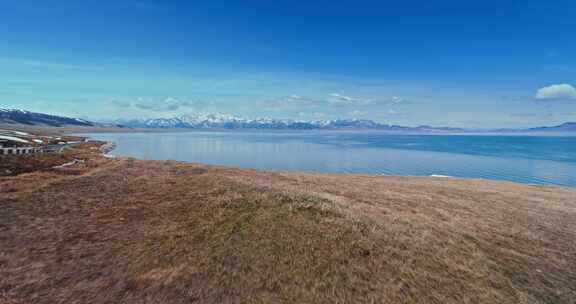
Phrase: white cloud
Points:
(314, 115)
(397, 100)
(342, 97)
(293, 102)
(338, 99)
(556, 92)
(121, 103)
(356, 113)
(333, 101)
(167, 105)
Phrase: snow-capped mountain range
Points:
(226, 121)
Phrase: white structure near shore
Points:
(30, 150)
(21, 143)
(19, 150)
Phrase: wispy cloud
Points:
(356, 113)
(332, 100)
(312, 115)
(300, 100)
(294, 102)
(336, 104)
(167, 105)
(395, 100)
(339, 99)
(121, 103)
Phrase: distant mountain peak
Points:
(565, 127)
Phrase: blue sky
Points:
(458, 63)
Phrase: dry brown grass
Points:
(11, 165)
(129, 231)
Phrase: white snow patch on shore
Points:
(12, 138)
(14, 132)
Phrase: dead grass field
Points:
(129, 231)
(13, 165)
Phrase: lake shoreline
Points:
(529, 160)
(167, 225)
(85, 130)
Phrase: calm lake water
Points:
(525, 159)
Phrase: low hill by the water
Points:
(21, 119)
(565, 127)
(131, 231)
(31, 118)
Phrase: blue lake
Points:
(525, 159)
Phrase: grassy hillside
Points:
(129, 231)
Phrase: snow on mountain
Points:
(226, 121)
(17, 116)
